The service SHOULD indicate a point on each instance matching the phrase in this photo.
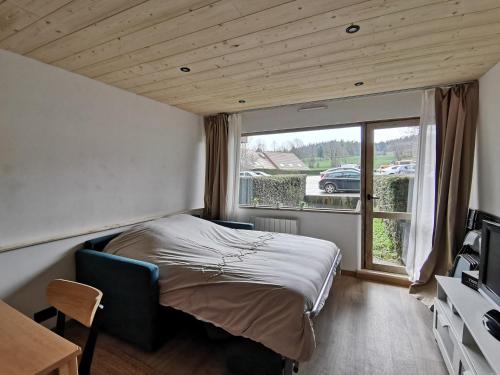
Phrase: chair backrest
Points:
(78, 301)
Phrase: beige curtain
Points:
(216, 134)
(456, 116)
(423, 197)
(233, 167)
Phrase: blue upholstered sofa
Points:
(130, 291)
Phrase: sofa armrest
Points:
(234, 224)
(130, 295)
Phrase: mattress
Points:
(258, 285)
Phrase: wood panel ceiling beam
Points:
(252, 90)
(143, 18)
(306, 32)
(67, 19)
(245, 90)
(143, 15)
(211, 24)
(268, 52)
(458, 36)
(327, 86)
(381, 29)
(330, 64)
(424, 44)
(406, 82)
(321, 54)
(14, 18)
(15, 15)
(40, 7)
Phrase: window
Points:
(306, 169)
(391, 157)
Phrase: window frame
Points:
(367, 213)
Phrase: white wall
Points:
(343, 229)
(486, 179)
(341, 111)
(338, 228)
(78, 155)
(25, 273)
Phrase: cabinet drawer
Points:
(442, 326)
(444, 337)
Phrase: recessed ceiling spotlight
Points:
(185, 69)
(352, 29)
(242, 101)
(360, 83)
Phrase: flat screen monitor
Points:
(489, 270)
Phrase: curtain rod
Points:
(362, 96)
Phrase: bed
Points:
(263, 286)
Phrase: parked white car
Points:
(398, 169)
(353, 166)
(406, 169)
(259, 173)
(253, 174)
(247, 174)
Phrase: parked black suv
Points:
(347, 180)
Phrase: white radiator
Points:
(276, 224)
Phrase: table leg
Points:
(69, 368)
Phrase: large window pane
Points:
(394, 161)
(314, 169)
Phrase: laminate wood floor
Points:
(365, 328)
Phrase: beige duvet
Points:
(259, 285)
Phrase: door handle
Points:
(370, 197)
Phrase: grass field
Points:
(326, 163)
(383, 159)
(322, 164)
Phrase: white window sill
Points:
(322, 210)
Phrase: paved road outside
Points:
(312, 188)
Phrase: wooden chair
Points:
(82, 303)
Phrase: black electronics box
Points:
(470, 279)
(464, 262)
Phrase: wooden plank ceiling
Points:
(263, 52)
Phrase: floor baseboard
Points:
(348, 273)
(380, 277)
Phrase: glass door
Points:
(391, 156)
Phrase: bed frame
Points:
(131, 293)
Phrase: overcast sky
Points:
(316, 136)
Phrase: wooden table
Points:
(28, 348)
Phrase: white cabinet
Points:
(466, 346)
